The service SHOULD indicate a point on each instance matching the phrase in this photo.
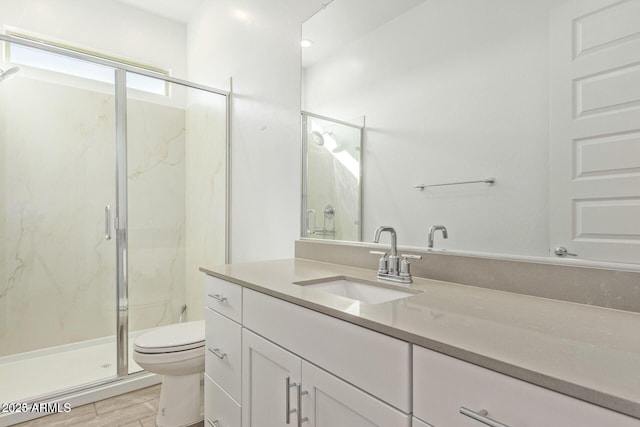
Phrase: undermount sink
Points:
(358, 289)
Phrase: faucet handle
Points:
(405, 268)
(382, 262)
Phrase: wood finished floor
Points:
(135, 409)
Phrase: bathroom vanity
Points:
(281, 353)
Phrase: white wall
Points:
(258, 44)
(450, 93)
(106, 26)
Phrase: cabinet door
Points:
(268, 370)
(419, 423)
(327, 401)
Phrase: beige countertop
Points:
(587, 352)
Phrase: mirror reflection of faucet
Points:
(391, 268)
(432, 231)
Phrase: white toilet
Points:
(177, 352)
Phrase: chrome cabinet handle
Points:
(218, 297)
(481, 416)
(107, 222)
(217, 352)
(562, 251)
(215, 423)
(300, 393)
(288, 386)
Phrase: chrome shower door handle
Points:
(107, 222)
(311, 229)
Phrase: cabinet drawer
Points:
(377, 363)
(220, 410)
(442, 385)
(223, 360)
(224, 297)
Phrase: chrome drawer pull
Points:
(300, 393)
(215, 423)
(288, 386)
(481, 416)
(217, 352)
(218, 297)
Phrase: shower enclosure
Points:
(113, 192)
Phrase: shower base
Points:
(37, 375)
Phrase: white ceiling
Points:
(176, 10)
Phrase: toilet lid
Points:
(171, 338)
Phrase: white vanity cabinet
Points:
(445, 387)
(223, 353)
(330, 372)
(376, 363)
(272, 363)
(281, 389)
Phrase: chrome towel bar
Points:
(490, 181)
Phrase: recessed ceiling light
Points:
(306, 43)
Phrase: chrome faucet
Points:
(392, 269)
(393, 258)
(432, 231)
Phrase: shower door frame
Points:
(120, 219)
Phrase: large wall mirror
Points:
(541, 96)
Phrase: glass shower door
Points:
(57, 261)
(176, 180)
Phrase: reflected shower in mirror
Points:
(331, 178)
(533, 93)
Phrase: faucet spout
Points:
(394, 239)
(432, 231)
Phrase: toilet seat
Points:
(171, 338)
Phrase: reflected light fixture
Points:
(306, 43)
(242, 15)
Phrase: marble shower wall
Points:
(57, 272)
(156, 190)
(205, 194)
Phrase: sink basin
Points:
(358, 289)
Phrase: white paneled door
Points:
(595, 129)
